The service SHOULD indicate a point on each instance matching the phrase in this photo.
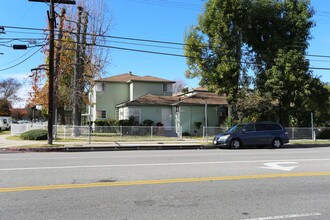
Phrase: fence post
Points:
(121, 132)
(54, 131)
(89, 133)
(203, 133)
(151, 131)
(292, 133)
(181, 133)
(64, 131)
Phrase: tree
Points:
(18, 114)
(92, 23)
(253, 106)
(5, 107)
(9, 88)
(178, 86)
(214, 47)
(269, 37)
(92, 58)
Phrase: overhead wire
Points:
(122, 38)
(140, 40)
(21, 61)
(5, 64)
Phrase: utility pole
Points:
(57, 65)
(51, 21)
(76, 110)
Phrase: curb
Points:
(107, 148)
(131, 147)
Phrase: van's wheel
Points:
(276, 143)
(235, 144)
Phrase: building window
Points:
(136, 113)
(164, 87)
(100, 87)
(117, 114)
(101, 114)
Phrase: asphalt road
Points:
(180, 184)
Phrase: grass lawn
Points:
(4, 132)
(310, 141)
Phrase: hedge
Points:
(37, 134)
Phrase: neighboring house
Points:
(181, 110)
(109, 92)
(122, 96)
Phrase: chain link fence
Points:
(146, 133)
(294, 133)
(118, 133)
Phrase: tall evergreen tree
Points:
(269, 37)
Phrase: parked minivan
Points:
(253, 134)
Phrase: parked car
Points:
(7, 121)
(253, 134)
(3, 126)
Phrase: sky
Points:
(161, 20)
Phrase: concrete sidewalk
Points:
(39, 146)
(24, 145)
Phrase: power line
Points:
(21, 61)
(144, 40)
(17, 58)
(100, 35)
(134, 39)
(319, 68)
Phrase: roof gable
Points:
(129, 77)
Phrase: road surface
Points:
(179, 184)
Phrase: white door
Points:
(166, 117)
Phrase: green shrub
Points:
(324, 134)
(148, 122)
(109, 122)
(129, 122)
(159, 124)
(37, 134)
(101, 123)
(112, 122)
(185, 134)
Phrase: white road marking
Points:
(152, 164)
(277, 166)
(285, 216)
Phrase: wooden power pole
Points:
(51, 21)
